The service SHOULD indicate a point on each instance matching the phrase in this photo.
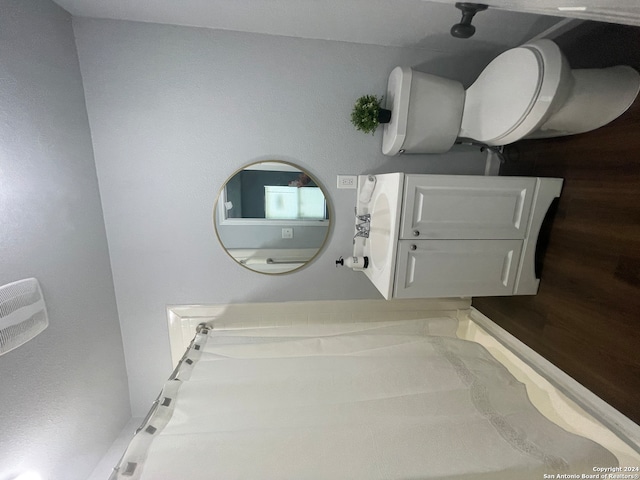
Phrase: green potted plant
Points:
(367, 113)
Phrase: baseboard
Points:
(558, 29)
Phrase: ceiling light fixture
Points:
(572, 9)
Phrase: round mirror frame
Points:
(221, 199)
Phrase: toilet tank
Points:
(426, 112)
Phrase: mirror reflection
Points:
(272, 217)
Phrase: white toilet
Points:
(528, 91)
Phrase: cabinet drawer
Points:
(456, 268)
(466, 207)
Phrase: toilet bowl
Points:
(526, 92)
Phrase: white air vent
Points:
(23, 314)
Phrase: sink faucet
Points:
(362, 228)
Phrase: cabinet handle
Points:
(413, 247)
(416, 233)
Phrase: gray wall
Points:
(174, 111)
(64, 395)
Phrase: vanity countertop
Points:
(381, 248)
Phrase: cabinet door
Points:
(471, 207)
(456, 268)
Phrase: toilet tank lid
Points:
(503, 95)
(396, 100)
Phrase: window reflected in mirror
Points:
(272, 217)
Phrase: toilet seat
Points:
(515, 94)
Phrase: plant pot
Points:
(384, 115)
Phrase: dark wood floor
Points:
(586, 316)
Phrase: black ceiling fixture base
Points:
(464, 29)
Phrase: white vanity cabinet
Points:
(465, 207)
(456, 268)
(459, 235)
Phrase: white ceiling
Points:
(626, 12)
(399, 23)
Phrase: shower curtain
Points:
(384, 400)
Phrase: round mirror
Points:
(272, 217)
